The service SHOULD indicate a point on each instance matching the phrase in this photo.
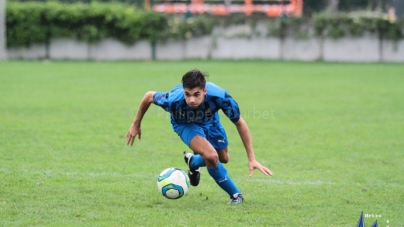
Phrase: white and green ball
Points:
(173, 183)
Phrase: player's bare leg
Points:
(196, 143)
(201, 146)
(216, 169)
(223, 155)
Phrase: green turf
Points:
(332, 133)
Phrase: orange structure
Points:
(271, 8)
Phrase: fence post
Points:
(153, 44)
(3, 48)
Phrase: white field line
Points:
(319, 182)
(53, 173)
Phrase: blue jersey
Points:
(207, 112)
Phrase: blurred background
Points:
(309, 6)
(167, 29)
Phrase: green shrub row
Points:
(35, 22)
(337, 26)
(39, 22)
(343, 25)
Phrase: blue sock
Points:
(219, 174)
(197, 161)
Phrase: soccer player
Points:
(194, 106)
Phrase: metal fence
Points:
(309, 6)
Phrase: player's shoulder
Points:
(177, 93)
(177, 89)
(172, 96)
(215, 90)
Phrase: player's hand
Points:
(256, 165)
(132, 133)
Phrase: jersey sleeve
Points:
(162, 99)
(230, 108)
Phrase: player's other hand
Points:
(132, 133)
(256, 165)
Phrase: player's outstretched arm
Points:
(135, 128)
(245, 136)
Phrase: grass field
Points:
(332, 133)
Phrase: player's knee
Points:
(211, 159)
(223, 156)
(224, 159)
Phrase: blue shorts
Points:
(214, 133)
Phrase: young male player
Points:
(194, 107)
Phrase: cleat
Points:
(236, 199)
(193, 174)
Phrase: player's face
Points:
(194, 97)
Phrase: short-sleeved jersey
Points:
(207, 112)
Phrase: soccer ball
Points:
(173, 183)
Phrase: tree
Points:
(375, 4)
(332, 5)
(312, 6)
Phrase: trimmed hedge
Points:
(35, 22)
(31, 22)
(337, 26)
(343, 25)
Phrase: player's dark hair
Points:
(193, 79)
